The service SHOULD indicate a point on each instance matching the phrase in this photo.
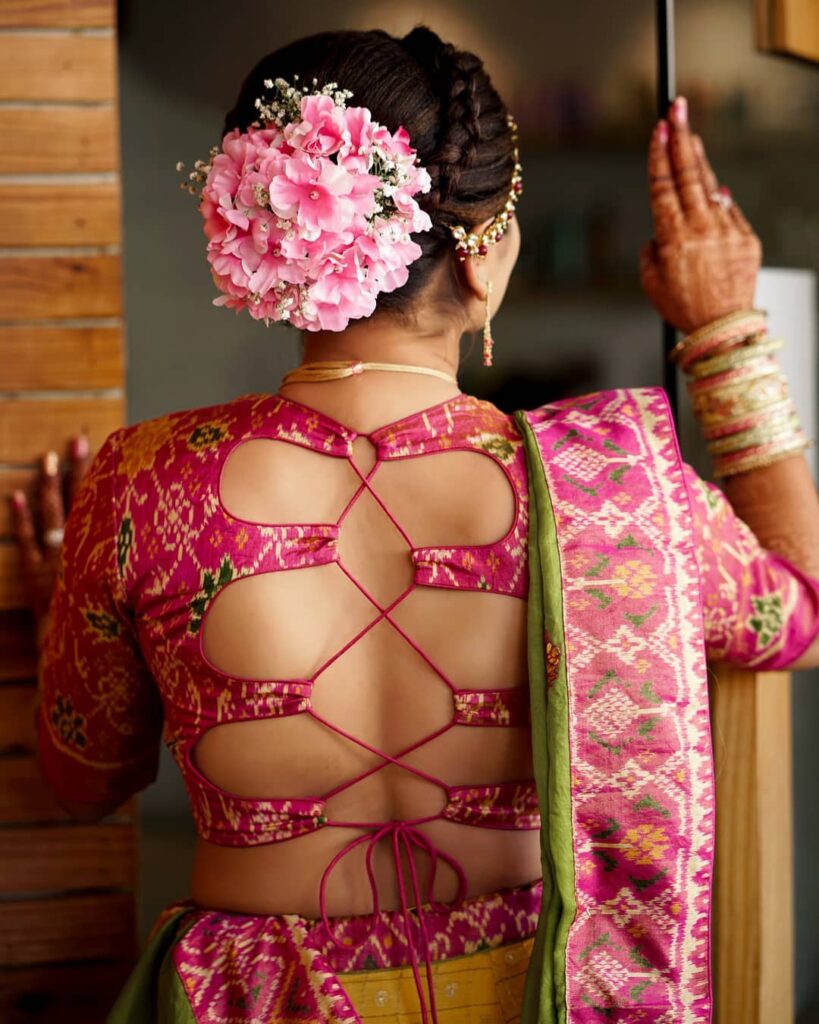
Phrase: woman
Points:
(377, 743)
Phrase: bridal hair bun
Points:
(309, 211)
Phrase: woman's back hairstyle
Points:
(442, 96)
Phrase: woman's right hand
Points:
(704, 258)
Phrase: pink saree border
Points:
(640, 807)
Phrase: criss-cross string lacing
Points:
(404, 835)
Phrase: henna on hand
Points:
(704, 258)
(37, 529)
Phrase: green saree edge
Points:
(544, 1000)
(153, 992)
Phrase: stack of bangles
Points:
(739, 393)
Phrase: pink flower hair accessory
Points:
(309, 213)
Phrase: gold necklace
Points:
(335, 370)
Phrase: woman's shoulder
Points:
(609, 403)
(172, 435)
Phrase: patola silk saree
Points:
(633, 569)
(620, 722)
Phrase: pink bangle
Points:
(733, 327)
(748, 371)
(761, 455)
(748, 420)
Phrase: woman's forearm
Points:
(780, 504)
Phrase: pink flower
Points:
(315, 191)
(356, 152)
(343, 294)
(293, 229)
(322, 129)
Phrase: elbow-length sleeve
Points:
(760, 610)
(99, 713)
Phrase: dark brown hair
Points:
(442, 96)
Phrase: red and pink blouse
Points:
(149, 545)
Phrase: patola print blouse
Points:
(149, 545)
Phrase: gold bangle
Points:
(720, 424)
(734, 358)
(739, 319)
(765, 366)
(765, 433)
(745, 395)
(768, 458)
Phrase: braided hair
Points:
(444, 98)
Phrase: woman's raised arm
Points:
(700, 267)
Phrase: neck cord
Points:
(335, 370)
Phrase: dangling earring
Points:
(487, 329)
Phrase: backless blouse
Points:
(149, 545)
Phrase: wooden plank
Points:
(58, 139)
(77, 67)
(11, 588)
(17, 733)
(17, 646)
(788, 26)
(39, 860)
(57, 214)
(796, 28)
(60, 993)
(67, 928)
(774, 793)
(753, 901)
(60, 358)
(25, 798)
(57, 13)
(24, 795)
(56, 286)
(29, 427)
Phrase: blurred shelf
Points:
(522, 292)
(629, 142)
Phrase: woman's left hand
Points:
(704, 258)
(39, 530)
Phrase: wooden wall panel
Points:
(17, 661)
(33, 287)
(78, 927)
(54, 139)
(60, 214)
(57, 13)
(58, 67)
(67, 908)
(60, 358)
(60, 994)
(30, 426)
(753, 879)
(16, 724)
(11, 589)
(25, 798)
(79, 857)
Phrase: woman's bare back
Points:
(380, 689)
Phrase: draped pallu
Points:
(620, 720)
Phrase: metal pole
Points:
(666, 90)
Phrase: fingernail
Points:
(18, 498)
(79, 447)
(679, 108)
(724, 190)
(51, 463)
(662, 131)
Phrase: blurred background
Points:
(580, 79)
